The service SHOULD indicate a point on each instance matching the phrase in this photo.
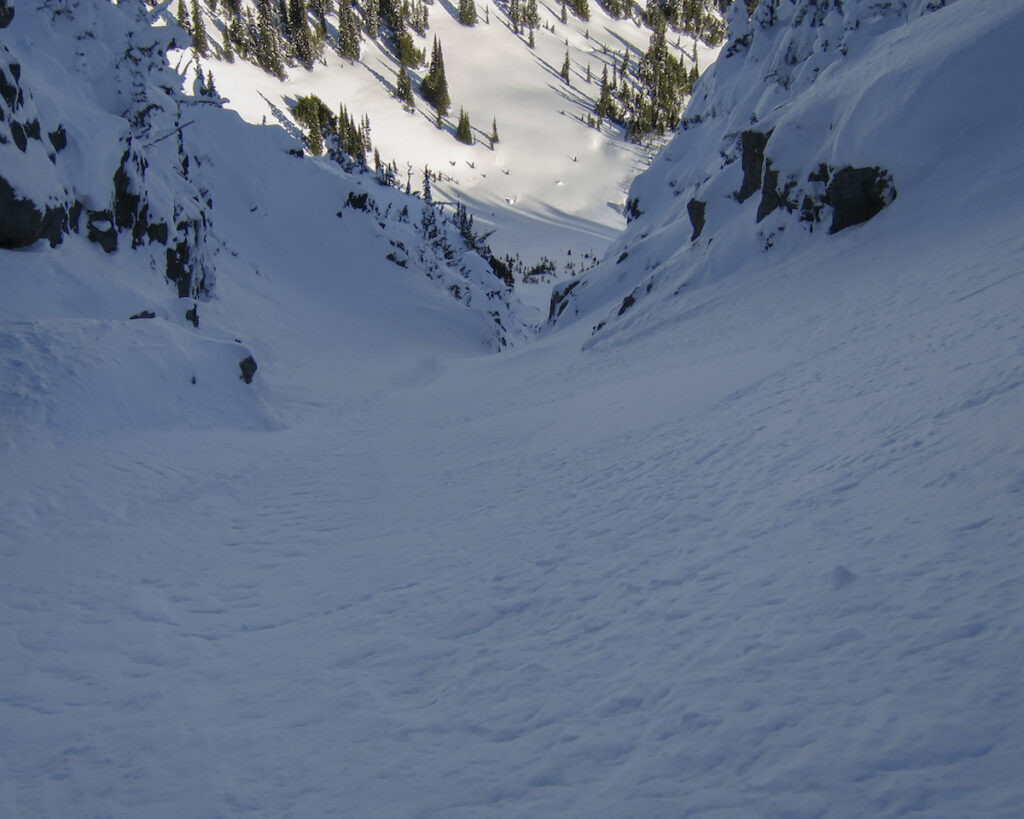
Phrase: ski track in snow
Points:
(708, 574)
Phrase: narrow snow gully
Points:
(752, 549)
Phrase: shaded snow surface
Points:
(757, 554)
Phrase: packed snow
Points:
(751, 549)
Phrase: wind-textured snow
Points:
(752, 549)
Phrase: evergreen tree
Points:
(418, 18)
(467, 12)
(371, 18)
(296, 11)
(464, 133)
(391, 14)
(348, 31)
(531, 16)
(428, 195)
(565, 69)
(353, 140)
(299, 33)
(494, 133)
(652, 11)
(581, 8)
(664, 80)
(408, 54)
(565, 14)
(320, 9)
(184, 20)
(614, 8)
(316, 116)
(268, 44)
(364, 131)
(242, 33)
(435, 85)
(515, 16)
(530, 41)
(403, 88)
(605, 105)
(198, 31)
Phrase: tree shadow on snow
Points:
(282, 118)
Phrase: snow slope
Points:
(79, 357)
(548, 168)
(825, 87)
(754, 551)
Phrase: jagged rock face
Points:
(857, 194)
(695, 209)
(854, 194)
(23, 224)
(752, 145)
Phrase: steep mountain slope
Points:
(130, 200)
(548, 166)
(818, 116)
(755, 550)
